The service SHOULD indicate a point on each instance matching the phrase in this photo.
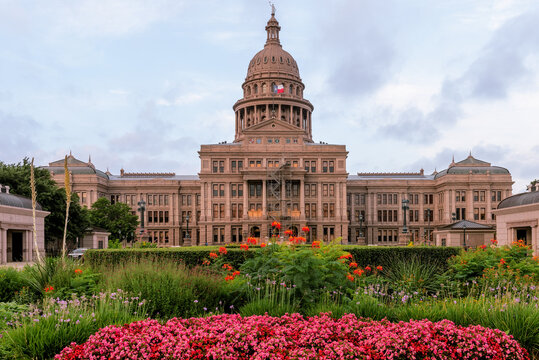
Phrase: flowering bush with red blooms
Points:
(222, 250)
(276, 225)
(244, 247)
(315, 245)
(294, 337)
(78, 271)
(48, 289)
(262, 245)
(288, 232)
(214, 255)
(379, 268)
(305, 229)
(251, 240)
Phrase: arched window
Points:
(248, 90)
(264, 88)
(291, 90)
(297, 91)
(255, 89)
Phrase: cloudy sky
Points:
(141, 84)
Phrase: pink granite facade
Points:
(273, 170)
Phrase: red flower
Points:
(288, 232)
(236, 273)
(205, 262)
(379, 268)
(502, 262)
(222, 250)
(276, 224)
(358, 272)
(49, 289)
(349, 277)
(368, 268)
(251, 240)
(305, 229)
(213, 255)
(316, 245)
(494, 241)
(78, 271)
(244, 247)
(345, 256)
(353, 264)
(229, 277)
(227, 266)
(262, 245)
(483, 247)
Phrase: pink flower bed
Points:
(294, 337)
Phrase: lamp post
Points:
(464, 231)
(453, 217)
(141, 208)
(405, 207)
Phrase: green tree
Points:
(50, 197)
(115, 218)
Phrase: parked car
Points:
(77, 253)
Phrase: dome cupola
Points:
(273, 89)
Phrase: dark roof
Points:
(470, 225)
(473, 166)
(17, 201)
(526, 198)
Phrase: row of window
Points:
(272, 140)
(478, 195)
(265, 89)
(236, 166)
(157, 217)
(158, 237)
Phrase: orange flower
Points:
(358, 272)
(288, 232)
(368, 268)
(300, 239)
(78, 271)
(213, 255)
(227, 266)
(379, 268)
(483, 247)
(244, 247)
(276, 224)
(353, 264)
(229, 277)
(222, 250)
(251, 240)
(205, 262)
(345, 256)
(262, 245)
(349, 277)
(236, 273)
(502, 261)
(316, 245)
(49, 289)
(305, 229)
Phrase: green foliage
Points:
(115, 244)
(9, 311)
(270, 297)
(115, 218)
(494, 264)
(411, 275)
(307, 269)
(188, 256)
(50, 197)
(171, 289)
(42, 334)
(10, 283)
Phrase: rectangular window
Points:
(166, 199)
(215, 191)
(160, 217)
(150, 200)
(221, 192)
(188, 199)
(325, 210)
(233, 190)
(324, 166)
(324, 189)
(166, 217)
(331, 189)
(331, 166)
(221, 166)
(476, 213)
(331, 210)
(482, 214)
(150, 217)
(379, 215)
(215, 166)
(476, 195)
(215, 213)
(482, 196)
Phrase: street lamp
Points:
(454, 217)
(141, 208)
(464, 230)
(405, 207)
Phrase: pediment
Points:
(273, 126)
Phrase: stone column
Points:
(264, 200)
(202, 202)
(245, 199)
(29, 245)
(338, 202)
(488, 210)
(447, 207)
(3, 246)
(227, 202)
(302, 200)
(319, 201)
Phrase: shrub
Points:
(172, 289)
(292, 336)
(10, 282)
(42, 333)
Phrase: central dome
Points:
(273, 59)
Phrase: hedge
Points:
(195, 255)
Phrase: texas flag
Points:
(278, 89)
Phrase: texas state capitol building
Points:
(273, 170)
